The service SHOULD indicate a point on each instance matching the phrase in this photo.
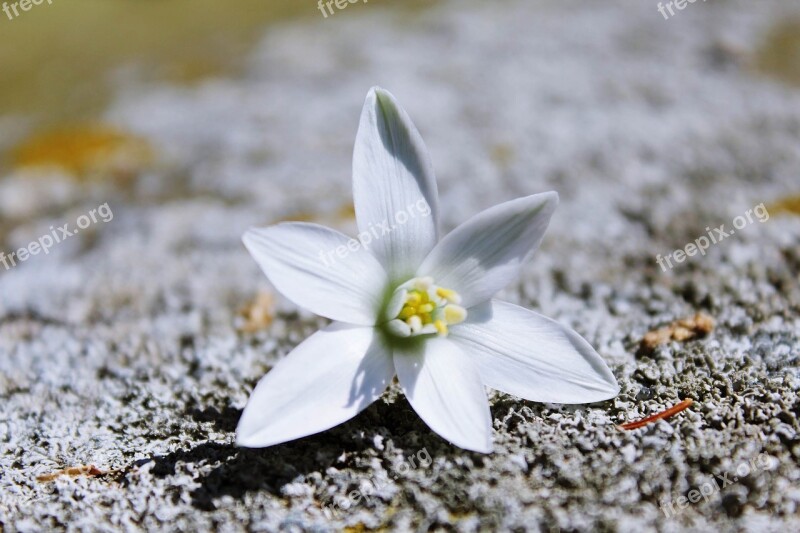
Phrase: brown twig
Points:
(74, 471)
(658, 416)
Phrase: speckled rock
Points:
(121, 349)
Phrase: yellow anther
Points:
(415, 323)
(454, 314)
(441, 327)
(425, 317)
(414, 299)
(422, 284)
(426, 308)
(448, 294)
(407, 312)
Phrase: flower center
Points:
(419, 307)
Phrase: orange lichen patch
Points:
(336, 219)
(682, 330)
(360, 528)
(502, 154)
(85, 152)
(257, 314)
(74, 471)
(789, 205)
(346, 212)
(300, 216)
(779, 55)
(658, 416)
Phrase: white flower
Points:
(408, 304)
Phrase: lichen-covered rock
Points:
(123, 347)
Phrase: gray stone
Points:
(119, 349)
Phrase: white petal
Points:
(313, 266)
(484, 254)
(398, 328)
(531, 356)
(444, 388)
(328, 379)
(394, 188)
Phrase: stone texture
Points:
(120, 348)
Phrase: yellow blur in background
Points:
(58, 60)
(61, 60)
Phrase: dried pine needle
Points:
(658, 416)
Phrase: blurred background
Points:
(67, 67)
(134, 344)
(69, 56)
(68, 64)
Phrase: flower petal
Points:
(394, 188)
(328, 379)
(484, 254)
(445, 390)
(321, 270)
(531, 356)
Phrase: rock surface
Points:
(121, 348)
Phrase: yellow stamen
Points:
(422, 284)
(413, 299)
(448, 294)
(415, 323)
(426, 309)
(454, 314)
(407, 312)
